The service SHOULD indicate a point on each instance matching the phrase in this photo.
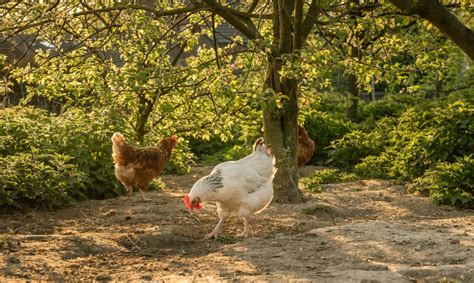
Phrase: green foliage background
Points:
(119, 73)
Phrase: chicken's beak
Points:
(195, 204)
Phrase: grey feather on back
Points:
(215, 180)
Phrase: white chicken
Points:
(244, 187)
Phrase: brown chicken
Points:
(137, 166)
(306, 146)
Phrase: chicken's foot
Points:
(143, 195)
(216, 230)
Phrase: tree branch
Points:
(244, 25)
(310, 19)
(298, 24)
(285, 11)
(252, 7)
(440, 17)
(193, 7)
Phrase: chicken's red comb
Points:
(188, 203)
(173, 138)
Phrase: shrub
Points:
(234, 152)
(43, 180)
(374, 166)
(430, 144)
(84, 138)
(389, 106)
(83, 141)
(323, 128)
(180, 160)
(424, 138)
(449, 183)
(237, 144)
(19, 125)
(357, 144)
(331, 103)
(404, 148)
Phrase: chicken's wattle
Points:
(188, 203)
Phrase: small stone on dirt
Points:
(146, 277)
(111, 212)
(103, 277)
(455, 241)
(9, 270)
(12, 259)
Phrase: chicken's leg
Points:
(129, 190)
(245, 233)
(143, 195)
(216, 230)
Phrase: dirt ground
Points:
(365, 231)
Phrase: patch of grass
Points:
(157, 185)
(326, 176)
(3, 243)
(449, 280)
(314, 209)
(228, 239)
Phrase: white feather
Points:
(247, 184)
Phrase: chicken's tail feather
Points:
(257, 143)
(118, 138)
(262, 147)
(118, 142)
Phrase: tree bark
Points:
(354, 92)
(280, 124)
(145, 109)
(356, 54)
(280, 133)
(440, 17)
(290, 31)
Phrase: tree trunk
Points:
(353, 88)
(354, 92)
(144, 111)
(280, 133)
(290, 29)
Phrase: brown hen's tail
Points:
(118, 145)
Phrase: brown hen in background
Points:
(306, 146)
(137, 166)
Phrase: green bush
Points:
(424, 138)
(22, 128)
(181, 159)
(40, 180)
(358, 144)
(234, 152)
(84, 138)
(449, 183)
(216, 149)
(324, 128)
(374, 166)
(330, 103)
(426, 144)
(409, 145)
(389, 106)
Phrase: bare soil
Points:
(365, 231)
